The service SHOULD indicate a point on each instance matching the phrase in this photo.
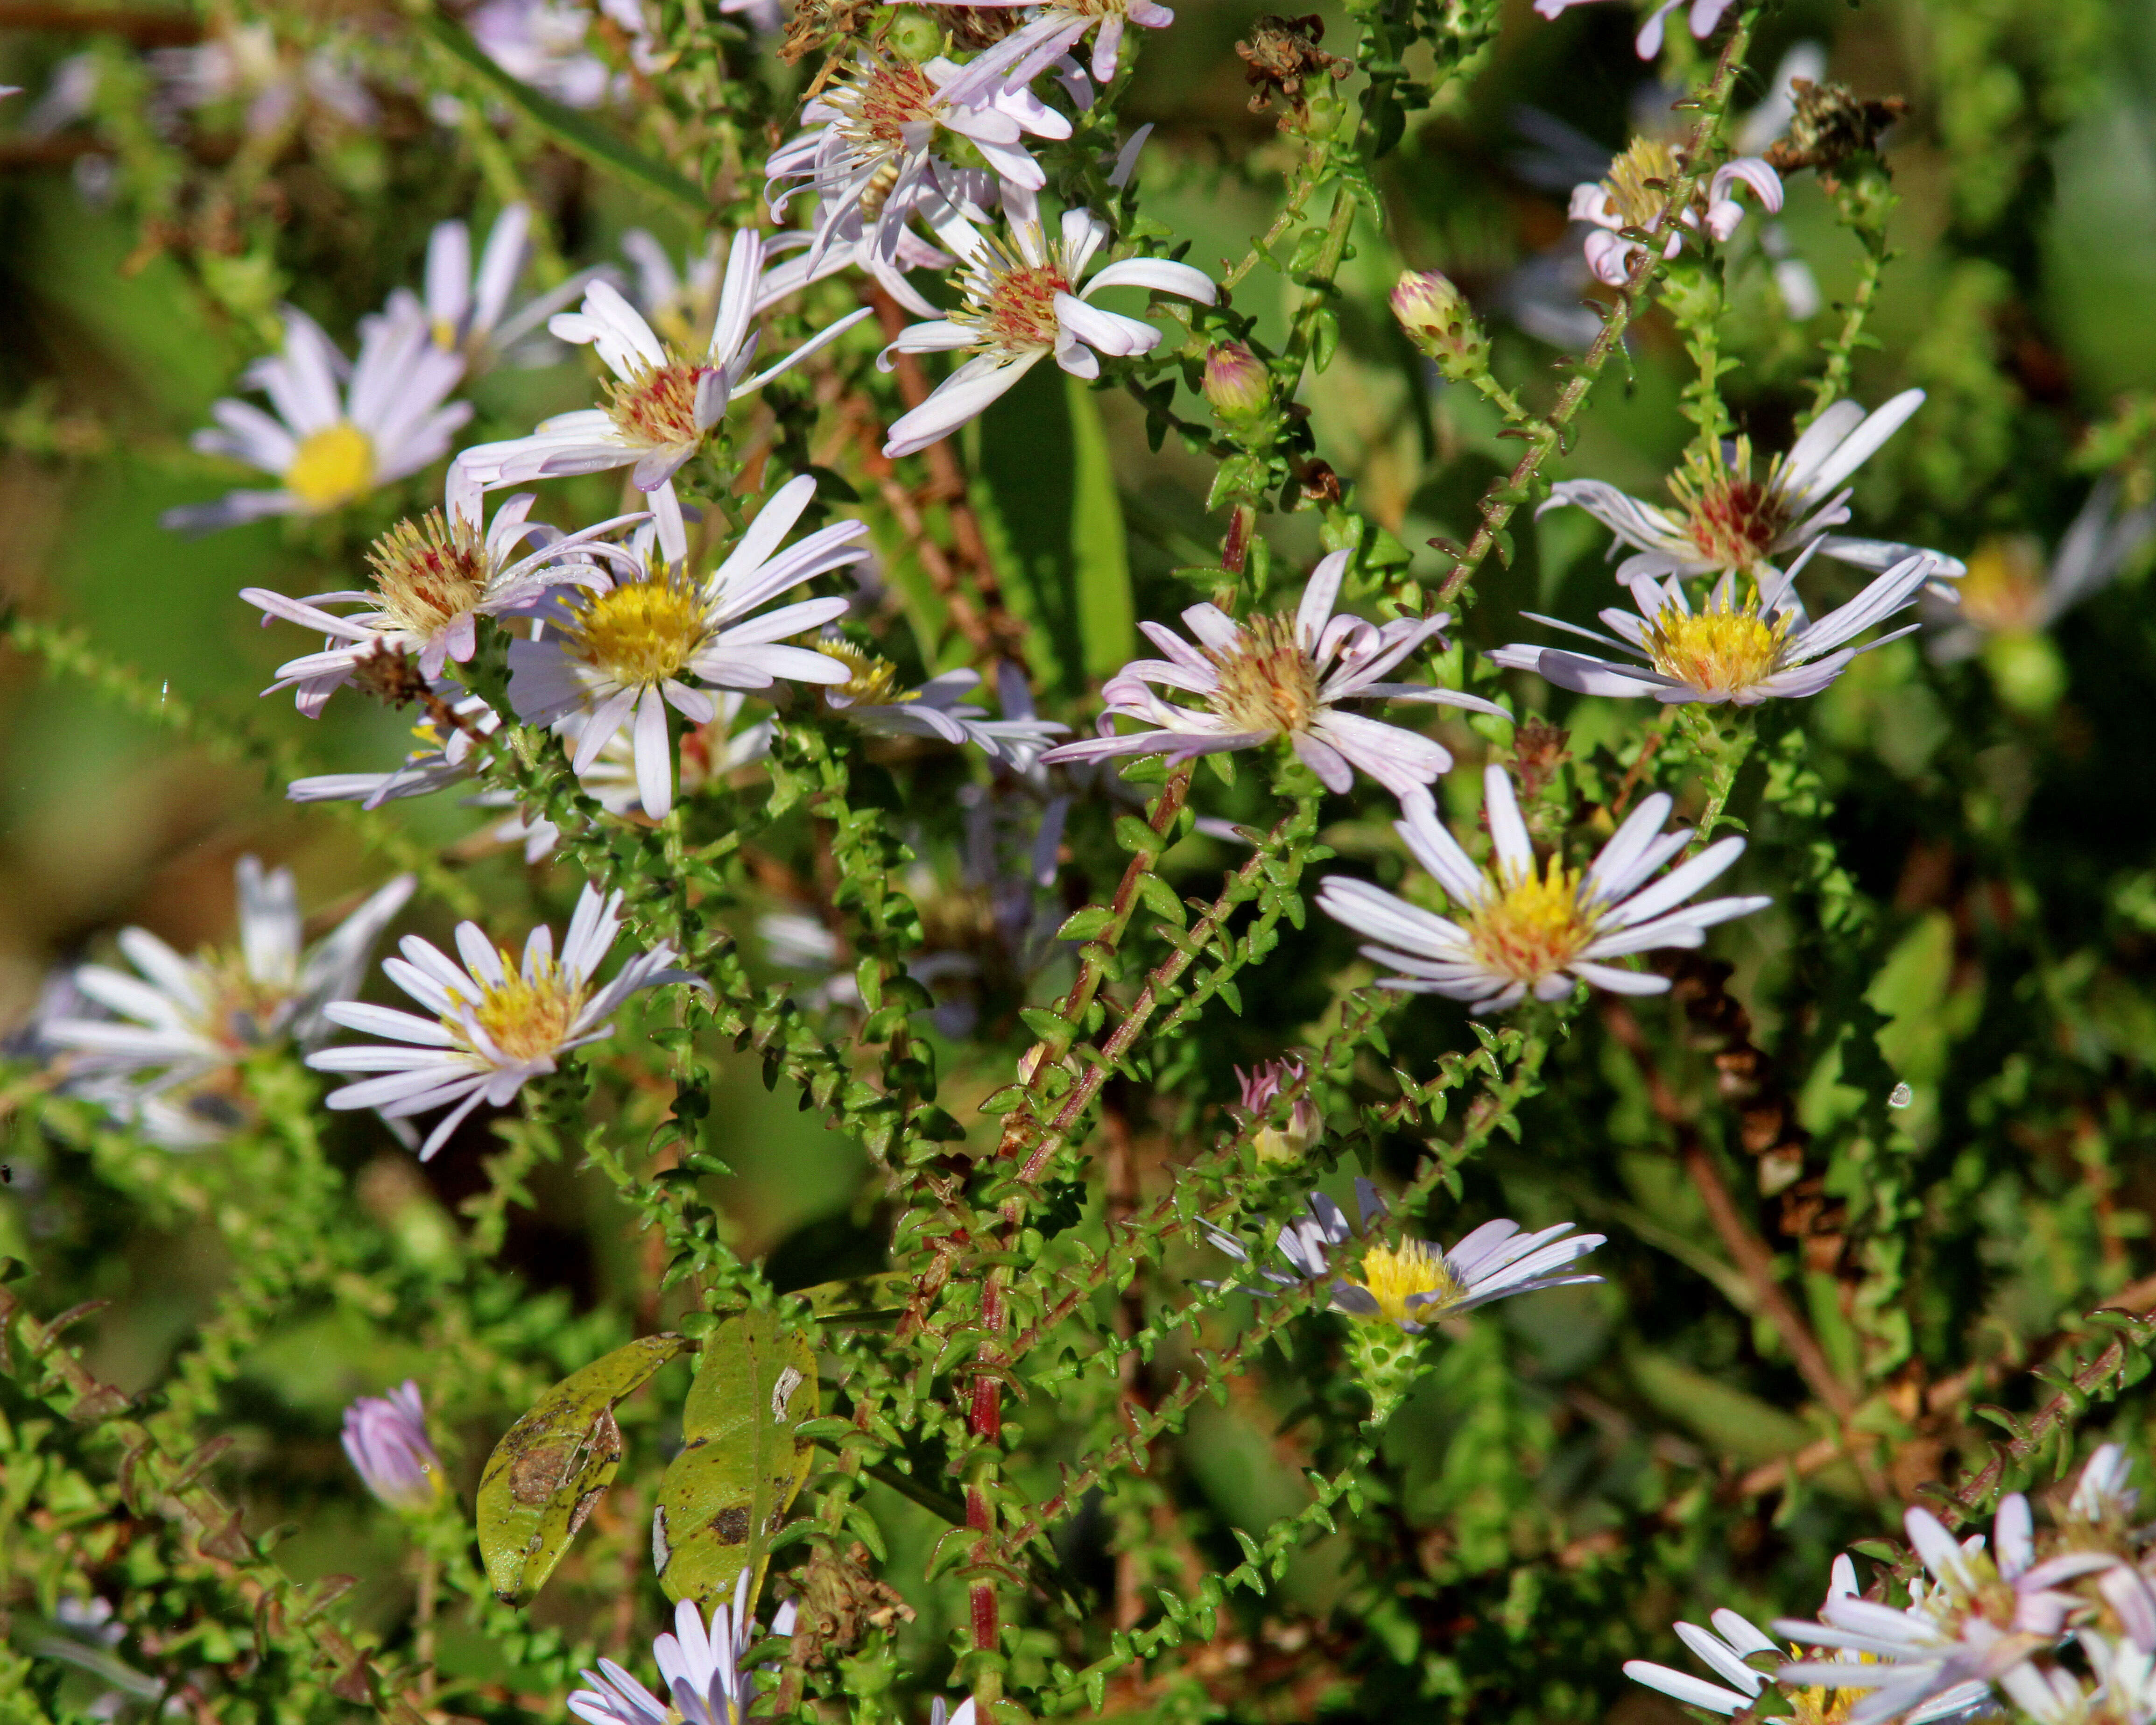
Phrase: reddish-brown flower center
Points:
(429, 573)
(657, 407)
(1732, 520)
(881, 101)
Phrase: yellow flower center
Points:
(1389, 1276)
(657, 407)
(1010, 303)
(2003, 589)
(1534, 926)
(429, 573)
(641, 632)
(1640, 179)
(527, 1019)
(874, 681)
(1715, 650)
(241, 1013)
(1268, 682)
(332, 466)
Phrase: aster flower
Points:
(1260, 1085)
(1022, 302)
(1631, 196)
(1734, 1641)
(327, 446)
(435, 765)
(184, 1025)
(468, 309)
(386, 1437)
(876, 142)
(2008, 591)
(625, 653)
(1703, 19)
(1417, 1283)
(662, 402)
(1742, 650)
(1981, 1615)
(1270, 677)
(495, 1026)
(1519, 932)
(273, 81)
(871, 699)
(1057, 27)
(2123, 1692)
(540, 43)
(1727, 523)
(705, 1682)
(433, 579)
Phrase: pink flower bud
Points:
(1236, 385)
(1305, 1124)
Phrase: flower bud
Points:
(1236, 384)
(1437, 320)
(386, 1436)
(914, 36)
(1428, 306)
(1305, 1124)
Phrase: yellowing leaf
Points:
(727, 1493)
(551, 1466)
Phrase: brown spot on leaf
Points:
(731, 1524)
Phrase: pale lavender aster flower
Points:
(1983, 1615)
(1269, 677)
(541, 42)
(877, 141)
(871, 699)
(1632, 196)
(1022, 302)
(1058, 26)
(663, 402)
(702, 1672)
(433, 579)
(1734, 1641)
(386, 1436)
(496, 1026)
(622, 654)
(1728, 522)
(330, 441)
(180, 1024)
(468, 308)
(1760, 647)
(1519, 932)
(1417, 1283)
(2009, 590)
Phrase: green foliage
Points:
(976, 1388)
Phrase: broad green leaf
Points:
(575, 132)
(551, 1466)
(727, 1493)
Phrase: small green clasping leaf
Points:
(551, 1466)
(727, 1493)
